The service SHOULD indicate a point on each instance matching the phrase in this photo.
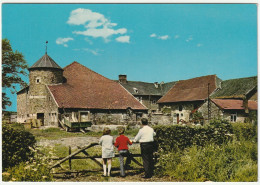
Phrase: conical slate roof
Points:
(45, 62)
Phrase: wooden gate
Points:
(73, 155)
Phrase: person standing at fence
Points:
(106, 141)
(145, 137)
(122, 143)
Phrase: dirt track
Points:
(71, 141)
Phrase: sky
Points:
(147, 42)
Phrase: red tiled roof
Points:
(233, 104)
(87, 89)
(190, 90)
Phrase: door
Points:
(178, 118)
(40, 116)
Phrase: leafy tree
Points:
(14, 67)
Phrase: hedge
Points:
(182, 136)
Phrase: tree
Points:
(14, 67)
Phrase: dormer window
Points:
(38, 80)
(135, 90)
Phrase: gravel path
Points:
(71, 141)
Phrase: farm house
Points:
(56, 96)
(186, 96)
(235, 100)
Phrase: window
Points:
(139, 99)
(153, 102)
(233, 117)
(53, 117)
(135, 90)
(181, 115)
(38, 80)
(180, 107)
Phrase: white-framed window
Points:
(233, 117)
(135, 90)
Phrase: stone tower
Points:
(44, 72)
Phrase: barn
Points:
(74, 93)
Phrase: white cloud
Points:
(104, 32)
(94, 52)
(199, 45)
(189, 39)
(81, 16)
(164, 37)
(96, 24)
(88, 40)
(124, 39)
(177, 36)
(63, 41)
(153, 35)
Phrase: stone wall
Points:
(22, 107)
(51, 111)
(149, 101)
(40, 100)
(160, 119)
(239, 113)
(180, 110)
(215, 111)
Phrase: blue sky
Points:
(147, 42)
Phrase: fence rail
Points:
(94, 158)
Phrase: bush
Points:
(219, 152)
(180, 137)
(245, 131)
(231, 161)
(16, 143)
(35, 169)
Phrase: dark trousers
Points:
(122, 154)
(147, 150)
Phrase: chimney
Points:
(245, 105)
(122, 79)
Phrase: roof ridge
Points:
(240, 78)
(75, 62)
(197, 77)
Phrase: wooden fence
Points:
(73, 155)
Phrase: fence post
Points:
(70, 158)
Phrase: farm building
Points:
(74, 94)
(186, 96)
(9, 117)
(234, 100)
(146, 93)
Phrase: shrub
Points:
(180, 137)
(35, 169)
(230, 161)
(16, 145)
(245, 131)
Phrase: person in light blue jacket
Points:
(107, 143)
